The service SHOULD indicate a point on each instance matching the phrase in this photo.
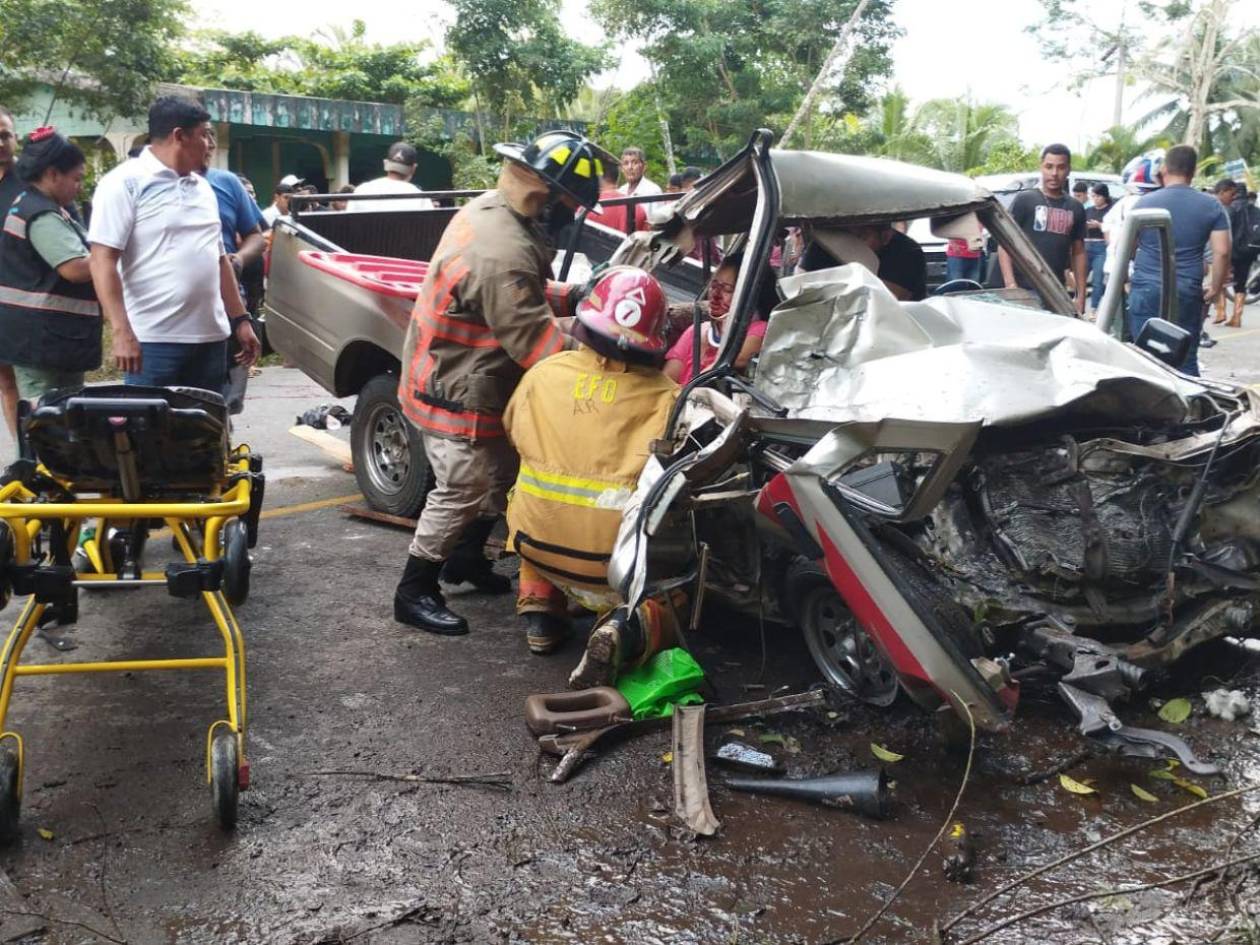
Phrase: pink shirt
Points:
(681, 351)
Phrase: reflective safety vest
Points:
(583, 425)
(485, 314)
(45, 321)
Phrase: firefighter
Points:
(485, 314)
(583, 422)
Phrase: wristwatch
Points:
(235, 322)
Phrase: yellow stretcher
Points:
(125, 459)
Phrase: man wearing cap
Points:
(485, 314)
(400, 167)
(280, 199)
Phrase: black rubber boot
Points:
(418, 602)
(468, 562)
(545, 632)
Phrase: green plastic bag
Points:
(669, 678)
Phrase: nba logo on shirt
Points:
(1039, 219)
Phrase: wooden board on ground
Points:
(493, 545)
(337, 449)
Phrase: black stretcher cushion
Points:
(179, 436)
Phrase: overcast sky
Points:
(951, 48)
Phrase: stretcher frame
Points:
(227, 770)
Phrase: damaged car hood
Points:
(841, 348)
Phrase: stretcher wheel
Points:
(236, 562)
(10, 796)
(224, 778)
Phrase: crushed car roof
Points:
(818, 186)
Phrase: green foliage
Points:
(726, 69)
(332, 64)
(632, 121)
(1007, 157)
(1118, 146)
(103, 57)
(961, 133)
(518, 58)
(470, 169)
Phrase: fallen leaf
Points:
(1175, 711)
(1190, 787)
(1162, 774)
(792, 746)
(668, 757)
(45, 833)
(1076, 787)
(737, 732)
(883, 754)
(1143, 795)
(833, 715)
(772, 738)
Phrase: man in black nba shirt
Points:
(1053, 221)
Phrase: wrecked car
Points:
(951, 498)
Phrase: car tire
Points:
(390, 464)
(845, 656)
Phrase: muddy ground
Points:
(129, 851)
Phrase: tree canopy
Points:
(724, 69)
(332, 63)
(100, 56)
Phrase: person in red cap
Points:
(583, 422)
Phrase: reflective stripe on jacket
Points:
(485, 314)
(583, 425)
(46, 321)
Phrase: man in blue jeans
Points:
(158, 262)
(1197, 220)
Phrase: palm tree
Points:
(895, 126)
(1119, 145)
(962, 132)
(1209, 80)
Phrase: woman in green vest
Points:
(50, 322)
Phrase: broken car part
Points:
(863, 792)
(572, 748)
(744, 757)
(580, 711)
(691, 787)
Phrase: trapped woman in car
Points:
(49, 317)
(679, 358)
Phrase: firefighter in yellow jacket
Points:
(485, 314)
(583, 422)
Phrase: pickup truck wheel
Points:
(389, 461)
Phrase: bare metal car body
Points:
(953, 495)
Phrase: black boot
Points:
(545, 632)
(418, 602)
(468, 562)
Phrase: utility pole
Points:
(1121, 49)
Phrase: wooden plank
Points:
(334, 447)
(493, 545)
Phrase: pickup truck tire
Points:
(390, 465)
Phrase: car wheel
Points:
(389, 462)
(847, 658)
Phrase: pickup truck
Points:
(340, 290)
(342, 284)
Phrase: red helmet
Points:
(623, 316)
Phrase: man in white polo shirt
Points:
(158, 263)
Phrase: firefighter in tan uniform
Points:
(583, 422)
(485, 314)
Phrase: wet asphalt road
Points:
(130, 852)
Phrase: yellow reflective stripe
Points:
(542, 492)
(574, 482)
